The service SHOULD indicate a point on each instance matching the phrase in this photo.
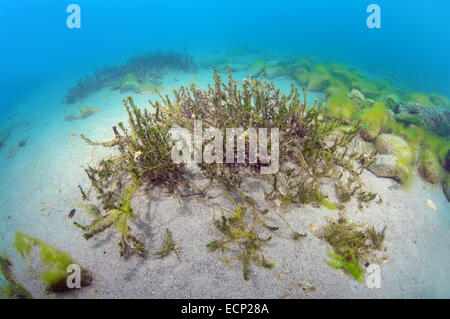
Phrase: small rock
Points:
(360, 146)
(429, 168)
(355, 95)
(392, 102)
(369, 134)
(390, 144)
(388, 166)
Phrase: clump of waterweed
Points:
(307, 140)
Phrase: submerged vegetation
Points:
(168, 246)
(240, 231)
(352, 244)
(422, 119)
(55, 262)
(131, 75)
(312, 148)
(365, 123)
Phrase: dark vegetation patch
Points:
(148, 65)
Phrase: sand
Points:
(39, 187)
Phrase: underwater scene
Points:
(224, 149)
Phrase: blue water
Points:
(36, 45)
(40, 58)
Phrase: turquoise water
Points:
(42, 158)
(412, 44)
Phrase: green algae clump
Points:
(129, 82)
(393, 144)
(324, 202)
(375, 118)
(429, 167)
(55, 262)
(349, 264)
(420, 97)
(352, 244)
(342, 107)
(257, 67)
(275, 71)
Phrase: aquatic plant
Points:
(439, 99)
(148, 65)
(256, 68)
(128, 82)
(169, 246)
(432, 149)
(419, 97)
(144, 161)
(55, 262)
(429, 167)
(319, 79)
(375, 118)
(352, 245)
(324, 202)
(349, 264)
(117, 217)
(9, 286)
(410, 119)
(239, 232)
(274, 71)
(341, 106)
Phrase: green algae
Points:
(427, 144)
(439, 99)
(341, 106)
(438, 145)
(352, 245)
(429, 167)
(419, 97)
(319, 79)
(129, 82)
(55, 262)
(275, 71)
(324, 202)
(257, 67)
(410, 119)
(349, 264)
(376, 118)
(241, 236)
